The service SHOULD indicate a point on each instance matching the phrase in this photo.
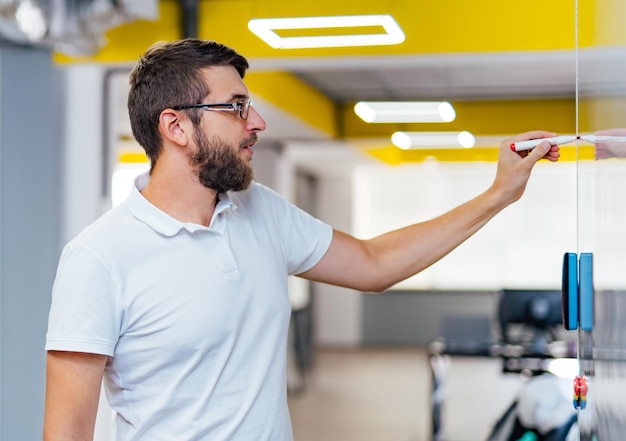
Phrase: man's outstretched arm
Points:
(378, 263)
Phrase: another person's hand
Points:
(611, 149)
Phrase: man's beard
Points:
(219, 166)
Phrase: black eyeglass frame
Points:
(242, 106)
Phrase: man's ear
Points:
(172, 128)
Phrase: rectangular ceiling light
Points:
(405, 111)
(264, 28)
(433, 140)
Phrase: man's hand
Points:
(514, 168)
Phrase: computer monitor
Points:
(536, 310)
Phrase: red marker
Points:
(532, 143)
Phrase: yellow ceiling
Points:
(461, 26)
(430, 27)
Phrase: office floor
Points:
(383, 394)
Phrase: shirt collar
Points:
(160, 221)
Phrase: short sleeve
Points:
(304, 238)
(84, 314)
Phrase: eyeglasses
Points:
(243, 107)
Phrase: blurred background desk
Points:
(526, 337)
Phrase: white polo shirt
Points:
(194, 319)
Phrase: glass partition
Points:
(602, 219)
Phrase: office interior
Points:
(67, 154)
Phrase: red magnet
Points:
(580, 392)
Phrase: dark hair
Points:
(168, 75)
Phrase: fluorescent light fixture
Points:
(405, 111)
(264, 28)
(31, 20)
(433, 140)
